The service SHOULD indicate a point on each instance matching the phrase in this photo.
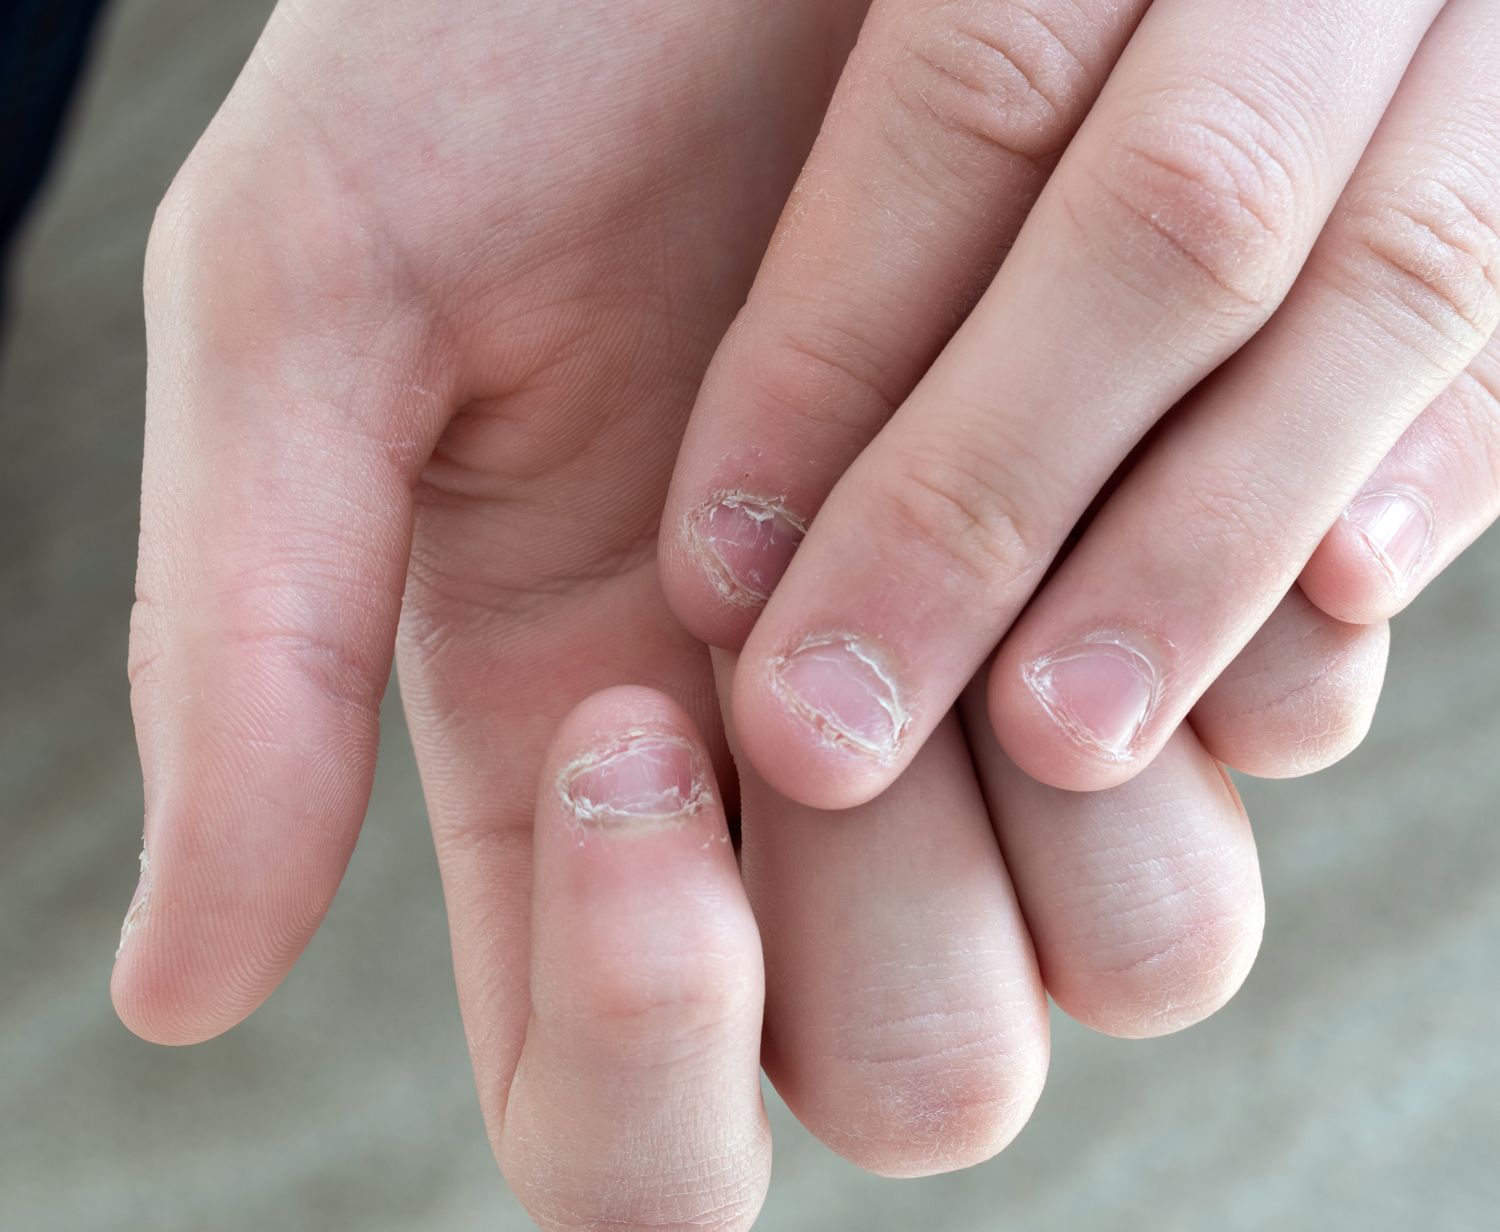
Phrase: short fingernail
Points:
(140, 903)
(840, 686)
(1100, 692)
(644, 778)
(746, 543)
(1397, 526)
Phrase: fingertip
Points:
(724, 548)
(158, 1008)
(646, 989)
(215, 926)
(810, 746)
(1301, 696)
(613, 711)
(951, 1111)
(1175, 982)
(169, 993)
(1042, 733)
(697, 600)
(1352, 580)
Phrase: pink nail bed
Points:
(1397, 528)
(1101, 692)
(746, 543)
(840, 687)
(643, 778)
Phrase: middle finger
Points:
(1174, 225)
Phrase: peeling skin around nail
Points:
(670, 805)
(881, 687)
(1038, 678)
(141, 904)
(770, 516)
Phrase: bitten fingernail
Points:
(745, 543)
(643, 778)
(840, 687)
(1100, 692)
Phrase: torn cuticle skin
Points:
(841, 688)
(642, 780)
(1101, 691)
(140, 904)
(744, 543)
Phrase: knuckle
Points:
(172, 234)
(1425, 249)
(146, 643)
(994, 76)
(283, 254)
(1477, 393)
(1230, 513)
(969, 516)
(827, 377)
(290, 613)
(333, 668)
(679, 1000)
(1199, 186)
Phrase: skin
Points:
(416, 387)
(1274, 220)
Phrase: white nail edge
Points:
(1035, 674)
(676, 810)
(759, 508)
(833, 733)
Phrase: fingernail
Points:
(644, 778)
(840, 687)
(1397, 527)
(746, 544)
(140, 903)
(1100, 692)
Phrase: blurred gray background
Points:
(1353, 1084)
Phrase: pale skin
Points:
(1296, 198)
(427, 310)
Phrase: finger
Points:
(1212, 526)
(276, 516)
(1429, 499)
(945, 125)
(1299, 697)
(1174, 223)
(906, 1024)
(636, 1103)
(1145, 900)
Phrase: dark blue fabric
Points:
(42, 48)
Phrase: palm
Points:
(581, 237)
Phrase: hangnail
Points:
(1100, 692)
(746, 543)
(140, 903)
(841, 688)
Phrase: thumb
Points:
(288, 416)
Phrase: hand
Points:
(419, 327)
(1330, 162)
